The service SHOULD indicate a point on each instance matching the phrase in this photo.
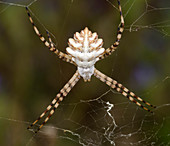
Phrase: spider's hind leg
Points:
(50, 44)
(120, 30)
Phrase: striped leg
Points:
(109, 51)
(50, 40)
(56, 101)
(123, 90)
(49, 44)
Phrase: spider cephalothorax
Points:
(85, 50)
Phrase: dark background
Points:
(31, 76)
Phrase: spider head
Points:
(85, 49)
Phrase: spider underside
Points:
(84, 50)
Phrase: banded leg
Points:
(123, 90)
(50, 40)
(49, 44)
(109, 51)
(56, 101)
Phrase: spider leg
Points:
(120, 30)
(50, 40)
(123, 90)
(56, 101)
(49, 44)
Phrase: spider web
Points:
(92, 113)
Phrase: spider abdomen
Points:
(85, 50)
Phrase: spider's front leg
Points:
(123, 90)
(56, 101)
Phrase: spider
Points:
(84, 50)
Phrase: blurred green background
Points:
(31, 76)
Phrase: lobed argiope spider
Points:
(84, 51)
